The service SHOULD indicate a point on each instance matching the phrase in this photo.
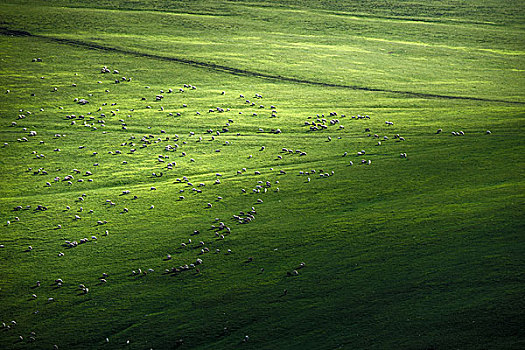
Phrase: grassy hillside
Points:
(422, 252)
(432, 49)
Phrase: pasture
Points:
(262, 175)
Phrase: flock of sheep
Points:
(168, 151)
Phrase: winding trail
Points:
(242, 72)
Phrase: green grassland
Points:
(418, 253)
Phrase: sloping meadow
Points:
(263, 177)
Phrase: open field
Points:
(422, 252)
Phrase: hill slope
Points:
(418, 252)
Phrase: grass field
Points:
(422, 252)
